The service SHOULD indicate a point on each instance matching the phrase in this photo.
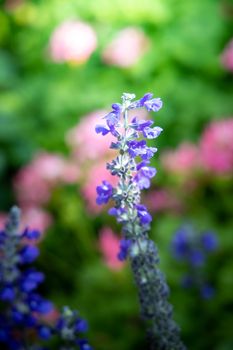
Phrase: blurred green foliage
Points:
(41, 100)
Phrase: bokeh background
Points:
(62, 64)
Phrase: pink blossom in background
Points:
(53, 168)
(94, 177)
(216, 146)
(71, 172)
(72, 41)
(109, 246)
(183, 160)
(162, 200)
(35, 218)
(49, 166)
(85, 143)
(30, 188)
(227, 57)
(34, 182)
(126, 48)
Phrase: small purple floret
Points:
(100, 129)
(152, 133)
(28, 254)
(153, 105)
(144, 217)
(125, 244)
(142, 178)
(104, 193)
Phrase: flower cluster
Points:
(22, 324)
(132, 168)
(193, 249)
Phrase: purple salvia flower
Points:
(135, 175)
(139, 148)
(124, 249)
(101, 129)
(144, 216)
(142, 178)
(139, 125)
(153, 105)
(147, 97)
(104, 192)
(152, 133)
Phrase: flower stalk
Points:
(132, 168)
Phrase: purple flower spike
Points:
(104, 193)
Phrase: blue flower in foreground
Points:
(132, 168)
(21, 304)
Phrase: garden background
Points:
(62, 64)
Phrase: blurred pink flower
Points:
(216, 146)
(49, 166)
(109, 246)
(162, 200)
(70, 172)
(33, 183)
(94, 177)
(30, 188)
(72, 41)
(227, 56)
(126, 48)
(35, 218)
(85, 143)
(183, 160)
